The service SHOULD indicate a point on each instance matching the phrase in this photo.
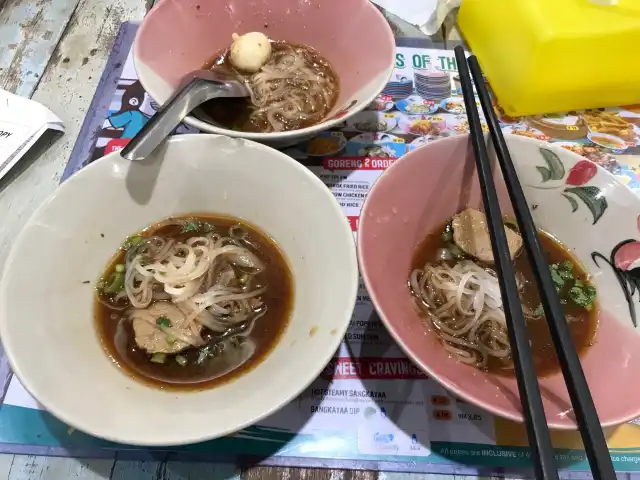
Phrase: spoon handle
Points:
(160, 126)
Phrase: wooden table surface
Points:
(54, 51)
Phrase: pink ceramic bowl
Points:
(178, 36)
(582, 205)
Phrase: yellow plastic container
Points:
(544, 56)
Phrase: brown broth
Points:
(118, 341)
(583, 326)
(234, 113)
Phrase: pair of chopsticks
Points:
(535, 420)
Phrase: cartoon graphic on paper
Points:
(130, 117)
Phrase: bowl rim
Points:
(142, 72)
(468, 397)
(331, 344)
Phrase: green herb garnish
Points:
(190, 226)
(203, 354)
(558, 281)
(569, 287)
(583, 296)
(163, 322)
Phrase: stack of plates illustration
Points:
(398, 89)
(433, 85)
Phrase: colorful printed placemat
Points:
(371, 408)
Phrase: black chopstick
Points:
(584, 409)
(536, 423)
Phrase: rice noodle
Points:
(464, 307)
(209, 281)
(295, 86)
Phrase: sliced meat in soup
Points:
(471, 234)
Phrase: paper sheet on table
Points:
(428, 15)
(22, 123)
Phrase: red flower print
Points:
(340, 114)
(581, 173)
(625, 262)
(344, 111)
(628, 254)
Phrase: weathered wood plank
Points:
(29, 32)
(134, 470)
(199, 471)
(150, 470)
(66, 87)
(364, 475)
(284, 473)
(28, 467)
(426, 476)
(5, 465)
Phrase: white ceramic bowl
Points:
(46, 311)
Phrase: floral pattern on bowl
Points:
(572, 182)
(428, 185)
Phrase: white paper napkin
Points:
(22, 123)
(427, 15)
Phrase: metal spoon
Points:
(196, 88)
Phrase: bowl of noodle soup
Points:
(428, 266)
(319, 71)
(187, 291)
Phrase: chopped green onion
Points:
(171, 339)
(539, 311)
(456, 251)
(163, 322)
(120, 268)
(181, 360)
(132, 241)
(115, 284)
(447, 236)
(159, 357)
(512, 225)
(207, 227)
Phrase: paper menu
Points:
(22, 123)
